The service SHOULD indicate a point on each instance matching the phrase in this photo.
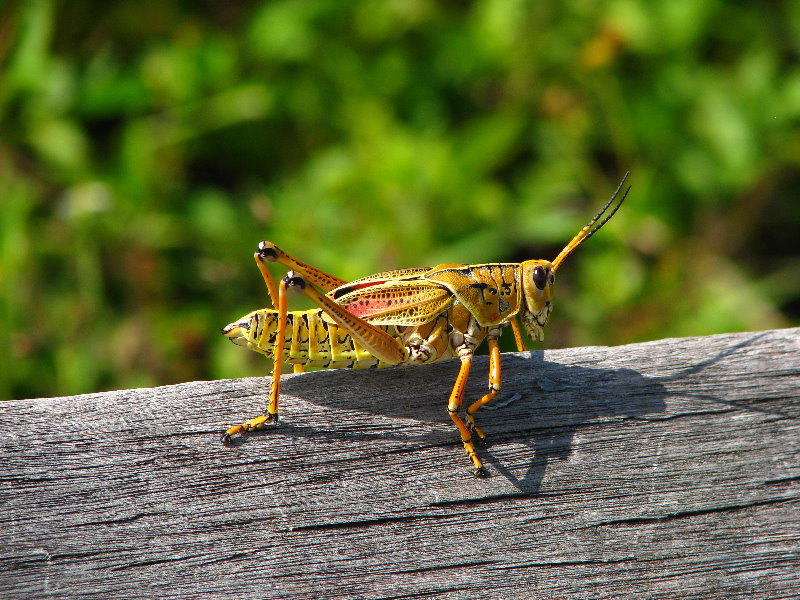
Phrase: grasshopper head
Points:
(538, 276)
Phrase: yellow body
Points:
(312, 340)
(405, 317)
(433, 314)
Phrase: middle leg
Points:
(494, 387)
(453, 407)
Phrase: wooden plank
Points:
(665, 469)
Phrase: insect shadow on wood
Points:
(543, 406)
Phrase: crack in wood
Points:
(693, 513)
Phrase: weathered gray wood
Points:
(665, 469)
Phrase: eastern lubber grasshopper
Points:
(405, 317)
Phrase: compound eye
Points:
(539, 277)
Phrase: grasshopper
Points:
(405, 317)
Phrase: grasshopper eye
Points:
(539, 277)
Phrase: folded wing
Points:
(394, 301)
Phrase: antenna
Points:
(582, 234)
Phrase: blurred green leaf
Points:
(145, 150)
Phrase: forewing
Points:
(396, 301)
(376, 279)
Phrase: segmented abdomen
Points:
(311, 340)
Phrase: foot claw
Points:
(252, 425)
(481, 472)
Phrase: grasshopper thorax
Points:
(538, 277)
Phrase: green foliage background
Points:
(147, 147)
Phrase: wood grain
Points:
(664, 469)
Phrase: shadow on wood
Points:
(542, 405)
(662, 469)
